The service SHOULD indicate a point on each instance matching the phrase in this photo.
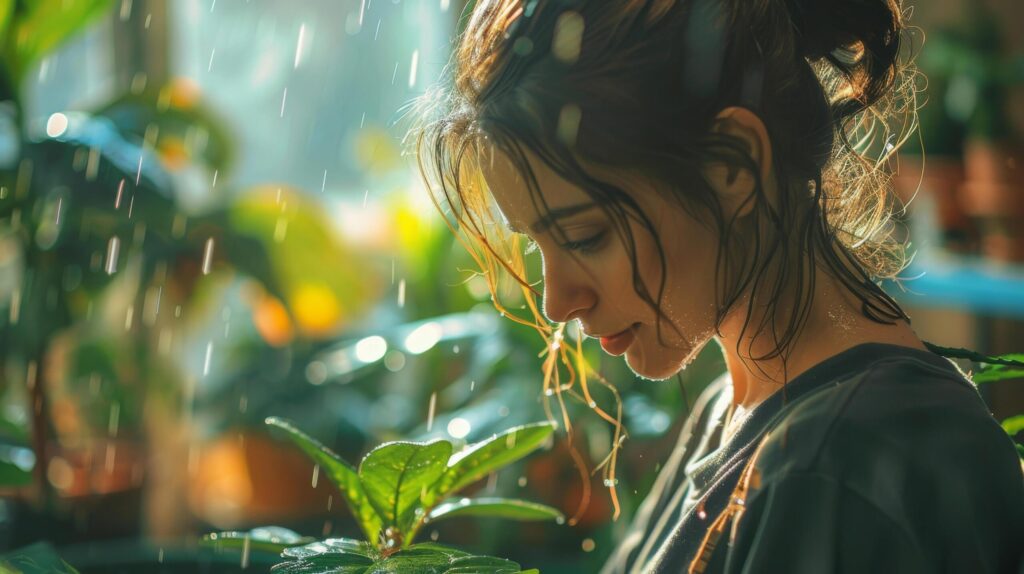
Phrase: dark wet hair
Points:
(636, 85)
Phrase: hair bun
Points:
(847, 30)
(860, 38)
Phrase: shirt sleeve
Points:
(810, 523)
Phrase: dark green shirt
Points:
(880, 459)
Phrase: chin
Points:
(663, 365)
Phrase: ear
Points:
(734, 185)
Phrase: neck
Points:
(835, 323)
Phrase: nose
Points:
(567, 291)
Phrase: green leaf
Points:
(398, 475)
(340, 473)
(272, 539)
(498, 507)
(39, 558)
(997, 373)
(13, 475)
(38, 26)
(426, 558)
(481, 458)
(1014, 425)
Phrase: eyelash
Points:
(583, 246)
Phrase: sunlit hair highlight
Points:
(605, 83)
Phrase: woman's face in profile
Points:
(588, 275)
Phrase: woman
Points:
(702, 170)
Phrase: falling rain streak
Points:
(284, 98)
(298, 45)
(412, 67)
(207, 256)
(209, 355)
(113, 248)
(430, 411)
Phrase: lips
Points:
(618, 343)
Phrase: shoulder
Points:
(904, 412)
(910, 441)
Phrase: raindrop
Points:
(472, 385)
(377, 31)
(209, 67)
(284, 98)
(559, 520)
(549, 392)
(430, 411)
(15, 306)
(215, 173)
(298, 45)
(444, 5)
(160, 556)
(245, 553)
(209, 355)
(588, 545)
(323, 185)
(316, 474)
(401, 293)
(413, 66)
(455, 349)
(522, 481)
(113, 247)
(609, 482)
(394, 74)
(592, 404)
(207, 256)
(433, 535)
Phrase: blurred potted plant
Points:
(970, 76)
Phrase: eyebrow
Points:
(553, 215)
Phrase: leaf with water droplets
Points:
(497, 507)
(272, 539)
(340, 473)
(425, 558)
(481, 458)
(398, 475)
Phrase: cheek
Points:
(689, 297)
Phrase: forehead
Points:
(508, 185)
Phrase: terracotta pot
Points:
(993, 196)
(941, 178)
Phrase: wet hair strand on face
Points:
(635, 85)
